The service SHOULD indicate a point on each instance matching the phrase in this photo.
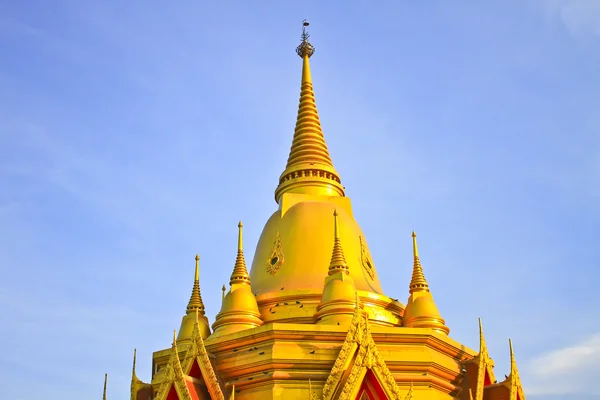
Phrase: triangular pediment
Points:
(174, 382)
(197, 363)
(359, 366)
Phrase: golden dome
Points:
(294, 249)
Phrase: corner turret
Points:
(195, 304)
(421, 311)
(338, 300)
(239, 310)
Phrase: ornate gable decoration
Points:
(359, 354)
(197, 352)
(173, 377)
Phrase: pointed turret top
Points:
(338, 261)
(240, 272)
(195, 302)
(418, 283)
(309, 168)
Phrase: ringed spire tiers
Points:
(195, 299)
(240, 272)
(194, 305)
(418, 283)
(309, 167)
(421, 310)
(338, 261)
(239, 310)
(339, 297)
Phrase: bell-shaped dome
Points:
(294, 249)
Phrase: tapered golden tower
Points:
(310, 319)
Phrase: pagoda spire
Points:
(195, 302)
(195, 305)
(309, 167)
(421, 311)
(338, 261)
(239, 309)
(240, 272)
(418, 283)
(339, 298)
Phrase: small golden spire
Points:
(104, 392)
(420, 310)
(418, 283)
(338, 261)
(232, 397)
(174, 338)
(240, 272)
(309, 168)
(223, 290)
(195, 302)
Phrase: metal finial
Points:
(305, 49)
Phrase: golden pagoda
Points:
(310, 320)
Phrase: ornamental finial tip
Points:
(305, 49)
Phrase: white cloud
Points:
(569, 370)
(579, 16)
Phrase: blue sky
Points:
(134, 136)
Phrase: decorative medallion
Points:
(275, 260)
(365, 259)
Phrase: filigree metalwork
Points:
(365, 259)
(305, 49)
(276, 259)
